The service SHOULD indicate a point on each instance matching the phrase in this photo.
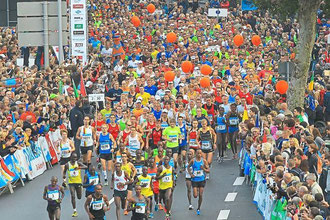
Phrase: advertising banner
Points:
(78, 18)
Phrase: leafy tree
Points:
(306, 13)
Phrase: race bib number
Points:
(97, 205)
(105, 147)
(233, 121)
(95, 179)
(65, 153)
(53, 195)
(74, 173)
(145, 183)
(138, 170)
(173, 138)
(221, 127)
(141, 208)
(210, 117)
(193, 142)
(118, 159)
(167, 179)
(120, 186)
(198, 173)
(206, 145)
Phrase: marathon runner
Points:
(139, 205)
(87, 135)
(190, 156)
(172, 135)
(97, 204)
(106, 146)
(66, 148)
(146, 182)
(183, 145)
(165, 175)
(199, 167)
(54, 194)
(208, 141)
(232, 119)
(221, 131)
(73, 168)
(91, 179)
(119, 182)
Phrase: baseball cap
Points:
(157, 97)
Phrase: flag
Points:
(60, 87)
(311, 83)
(245, 114)
(82, 86)
(257, 121)
(76, 94)
(264, 138)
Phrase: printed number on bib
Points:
(105, 147)
(141, 209)
(118, 159)
(206, 145)
(167, 179)
(233, 121)
(95, 179)
(221, 127)
(198, 173)
(74, 173)
(97, 205)
(53, 195)
(173, 139)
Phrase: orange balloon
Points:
(238, 40)
(151, 8)
(206, 69)
(205, 82)
(256, 40)
(186, 66)
(171, 37)
(169, 76)
(282, 87)
(136, 21)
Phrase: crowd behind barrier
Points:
(29, 162)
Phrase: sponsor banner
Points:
(37, 164)
(45, 148)
(78, 17)
(52, 150)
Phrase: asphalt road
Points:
(27, 203)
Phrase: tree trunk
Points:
(307, 15)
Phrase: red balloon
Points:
(205, 82)
(206, 69)
(186, 66)
(169, 76)
(171, 37)
(136, 21)
(282, 87)
(256, 40)
(151, 8)
(238, 40)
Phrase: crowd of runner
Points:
(150, 130)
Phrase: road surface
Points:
(225, 197)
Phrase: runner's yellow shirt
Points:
(74, 175)
(172, 135)
(146, 191)
(127, 168)
(167, 181)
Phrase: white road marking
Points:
(111, 200)
(230, 197)
(223, 214)
(239, 181)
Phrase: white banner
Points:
(45, 148)
(78, 16)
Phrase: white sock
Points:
(74, 210)
(105, 174)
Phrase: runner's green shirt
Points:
(173, 135)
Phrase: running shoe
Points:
(156, 207)
(160, 206)
(198, 212)
(125, 212)
(106, 183)
(64, 184)
(207, 176)
(151, 215)
(167, 217)
(75, 214)
(191, 207)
